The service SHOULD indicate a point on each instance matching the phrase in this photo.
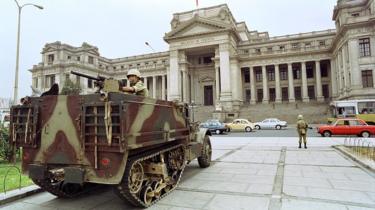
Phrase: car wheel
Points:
(248, 129)
(217, 132)
(228, 130)
(257, 127)
(365, 134)
(278, 127)
(327, 134)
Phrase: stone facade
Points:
(215, 61)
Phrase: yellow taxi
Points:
(241, 125)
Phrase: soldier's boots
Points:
(305, 146)
(299, 145)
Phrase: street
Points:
(285, 132)
(251, 173)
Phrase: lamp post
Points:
(15, 94)
(148, 44)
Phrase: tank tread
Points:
(124, 191)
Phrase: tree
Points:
(71, 88)
(5, 148)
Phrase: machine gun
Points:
(103, 83)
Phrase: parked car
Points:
(241, 125)
(214, 126)
(271, 123)
(347, 126)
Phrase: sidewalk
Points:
(252, 173)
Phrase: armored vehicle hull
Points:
(138, 145)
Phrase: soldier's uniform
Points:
(302, 130)
(140, 89)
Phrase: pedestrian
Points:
(302, 130)
(136, 85)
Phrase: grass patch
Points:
(13, 178)
(368, 152)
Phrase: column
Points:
(226, 92)
(291, 83)
(265, 85)
(305, 96)
(163, 87)
(253, 100)
(319, 92)
(236, 81)
(333, 74)
(356, 76)
(145, 82)
(184, 86)
(154, 86)
(217, 82)
(277, 83)
(174, 78)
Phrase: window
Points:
(309, 71)
(89, 83)
(271, 75)
(91, 60)
(49, 81)
(325, 90)
(367, 79)
(272, 94)
(295, 46)
(284, 93)
(366, 107)
(354, 122)
(297, 93)
(364, 47)
(207, 60)
(324, 71)
(269, 49)
(35, 82)
(258, 75)
(307, 44)
(248, 95)
(296, 74)
(355, 15)
(322, 43)
(78, 58)
(246, 74)
(122, 67)
(257, 51)
(311, 91)
(69, 57)
(283, 74)
(282, 47)
(51, 58)
(259, 95)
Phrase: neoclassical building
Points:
(215, 61)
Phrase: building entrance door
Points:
(208, 95)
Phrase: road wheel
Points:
(327, 134)
(217, 132)
(257, 127)
(205, 159)
(278, 127)
(365, 134)
(248, 129)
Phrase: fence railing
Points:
(9, 169)
(363, 147)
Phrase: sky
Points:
(120, 28)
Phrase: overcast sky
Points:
(119, 28)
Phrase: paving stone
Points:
(340, 195)
(291, 204)
(260, 189)
(233, 202)
(297, 191)
(307, 182)
(187, 199)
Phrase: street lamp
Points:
(15, 96)
(146, 43)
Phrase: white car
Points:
(271, 123)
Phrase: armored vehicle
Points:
(139, 145)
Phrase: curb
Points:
(19, 194)
(355, 158)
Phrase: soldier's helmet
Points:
(134, 72)
(300, 117)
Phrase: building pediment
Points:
(197, 26)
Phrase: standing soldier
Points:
(136, 85)
(302, 130)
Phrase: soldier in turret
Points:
(302, 130)
(136, 85)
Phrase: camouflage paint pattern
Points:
(71, 131)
